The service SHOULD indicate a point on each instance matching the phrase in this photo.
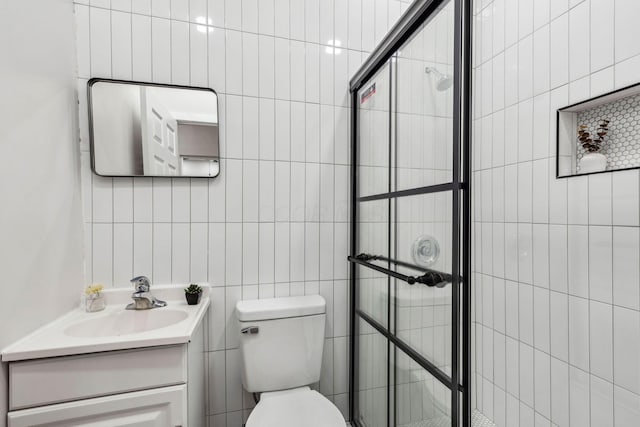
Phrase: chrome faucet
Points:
(142, 297)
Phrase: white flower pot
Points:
(593, 162)
(94, 302)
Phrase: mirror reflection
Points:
(141, 129)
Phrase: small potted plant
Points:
(193, 294)
(93, 298)
(593, 160)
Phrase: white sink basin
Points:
(125, 322)
(115, 328)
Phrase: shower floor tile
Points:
(477, 420)
(435, 422)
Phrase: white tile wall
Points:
(275, 222)
(563, 328)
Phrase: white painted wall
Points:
(275, 222)
(194, 105)
(40, 219)
(557, 285)
(117, 129)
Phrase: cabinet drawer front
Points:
(163, 407)
(62, 379)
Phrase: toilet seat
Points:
(295, 408)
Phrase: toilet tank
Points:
(281, 342)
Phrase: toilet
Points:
(281, 342)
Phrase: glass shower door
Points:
(372, 385)
(408, 252)
(422, 230)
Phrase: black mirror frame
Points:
(95, 80)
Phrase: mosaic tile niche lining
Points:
(622, 143)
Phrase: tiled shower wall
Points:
(557, 286)
(274, 223)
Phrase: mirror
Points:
(146, 129)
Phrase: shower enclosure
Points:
(410, 311)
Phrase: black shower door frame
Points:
(459, 382)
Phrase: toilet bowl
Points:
(295, 408)
(281, 342)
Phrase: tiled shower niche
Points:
(621, 145)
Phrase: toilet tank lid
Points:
(279, 308)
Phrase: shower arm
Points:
(431, 278)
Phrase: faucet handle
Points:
(141, 283)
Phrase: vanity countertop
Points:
(79, 332)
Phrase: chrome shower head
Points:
(444, 81)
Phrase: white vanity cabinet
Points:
(154, 386)
(163, 406)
